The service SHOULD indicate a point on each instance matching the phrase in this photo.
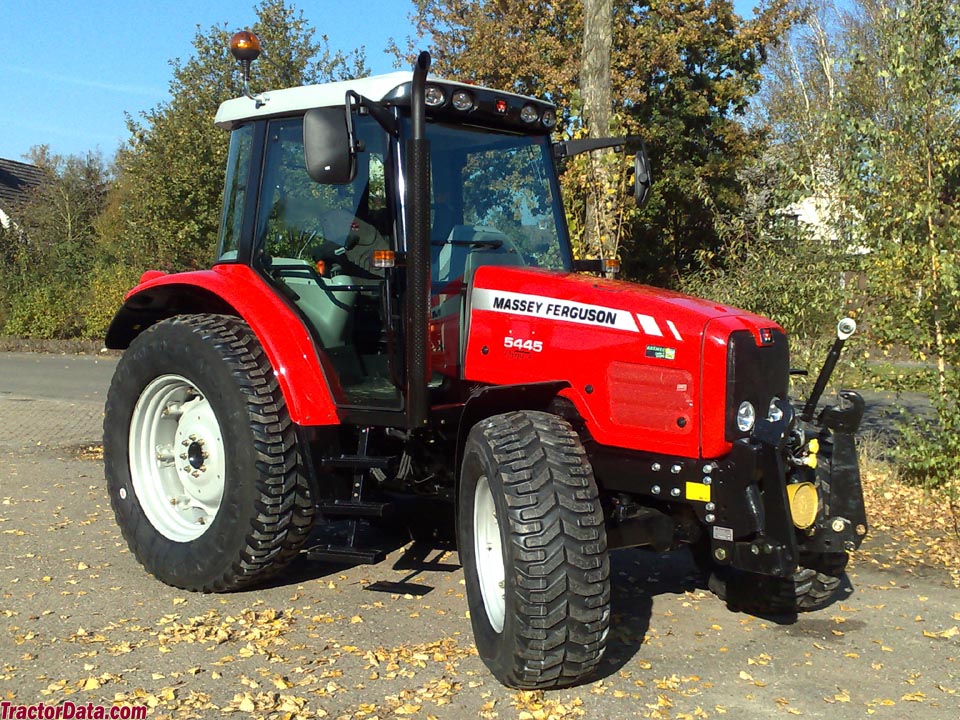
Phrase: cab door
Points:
(317, 242)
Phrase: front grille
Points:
(757, 373)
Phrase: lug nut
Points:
(707, 480)
(655, 489)
(708, 468)
(655, 467)
(709, 517)
(675, 492)
(710, 507)
(720, 554)
(675, 469)
(754, 550)
(838, 525)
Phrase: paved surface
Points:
(80, 621)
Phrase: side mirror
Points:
(642, 179)
(327, 146)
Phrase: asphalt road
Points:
(81, 621)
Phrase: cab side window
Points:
(238, 174)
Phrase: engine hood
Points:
(613, 304)
(641, 362)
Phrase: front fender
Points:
(235, 289)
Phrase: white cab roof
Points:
(300, 99)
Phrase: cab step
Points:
(355, 508)
(345, 555)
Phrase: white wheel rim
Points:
(177, 461)
(488, 551)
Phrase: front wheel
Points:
(815, 585)
(534, 551)
(201, 456)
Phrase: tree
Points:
(597, 92)
(44, 263)
(165, 208)
(903, 177)
(682, 74)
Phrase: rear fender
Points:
(234, 289)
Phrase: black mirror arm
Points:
(569, 148)
(379, 113)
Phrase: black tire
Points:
(266, 512)
(556, 571)
(813, 586)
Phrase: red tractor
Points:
(395, 319)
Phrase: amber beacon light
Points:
(245, 47)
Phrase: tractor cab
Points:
(317, 202)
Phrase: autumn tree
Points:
(682, 74)
(165, 208)
(902, 176)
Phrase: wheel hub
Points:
(488, 550)
(177, 460)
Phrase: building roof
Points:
(17, 179)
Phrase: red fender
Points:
(236, 289)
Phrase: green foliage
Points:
(682, 74)
(929, 453)
(106, 286)
(48, 310)
(867, 116)
(44, 260)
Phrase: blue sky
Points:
(69, 70)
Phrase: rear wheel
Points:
(201, 456)
(533, 547)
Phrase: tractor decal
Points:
(552, 309)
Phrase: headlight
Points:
(529, 114)
(746, 416)
(462, 100)
(774, 413)
(434, 96)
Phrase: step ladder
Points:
(354, 509)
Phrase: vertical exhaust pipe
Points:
(418, 249)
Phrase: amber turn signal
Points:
(384, 259)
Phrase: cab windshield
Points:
(494, 201)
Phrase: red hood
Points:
(646, 367)
(653, 312)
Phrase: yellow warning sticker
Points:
(698, 492)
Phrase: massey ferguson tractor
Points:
(395, 320)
